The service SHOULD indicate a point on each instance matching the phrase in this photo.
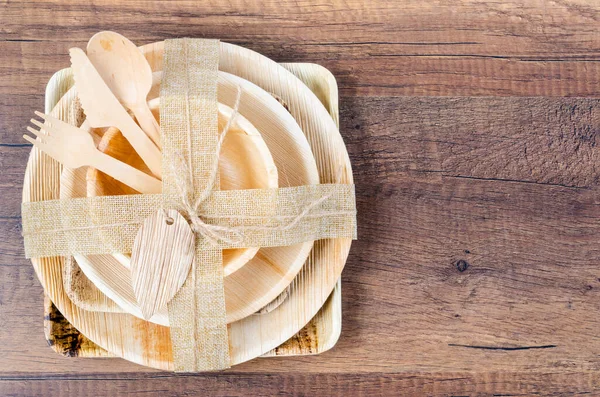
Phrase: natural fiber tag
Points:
(162, 254)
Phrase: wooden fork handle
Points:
(126, 174)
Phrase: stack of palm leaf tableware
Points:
(284, 135)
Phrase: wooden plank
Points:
(469, 257)
(13, 159)
(535, 140)
(354, 28)
(27, 66)
(26, 72)
(375, 48)
(438, 51)
(247, 385)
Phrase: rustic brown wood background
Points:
(478, 265)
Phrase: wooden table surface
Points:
(477, 269)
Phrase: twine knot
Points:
(215, 234)
(184, 180)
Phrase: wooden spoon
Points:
(103, 109)
(125, 70)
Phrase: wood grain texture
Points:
(65, 339)
(514, 47)
(341, 385)
(82, 292)
(161, 258)
(476, 268)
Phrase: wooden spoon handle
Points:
(148, 122)
(125, 173)
(144, 146)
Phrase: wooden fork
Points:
(75, 148)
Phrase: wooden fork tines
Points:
(75, 148)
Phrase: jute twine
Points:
(221, 219)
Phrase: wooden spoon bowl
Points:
(124, 69)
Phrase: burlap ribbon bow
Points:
(259, 218)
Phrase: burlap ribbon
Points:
(264, 218)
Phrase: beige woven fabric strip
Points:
(83, 226)
(189, 123)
